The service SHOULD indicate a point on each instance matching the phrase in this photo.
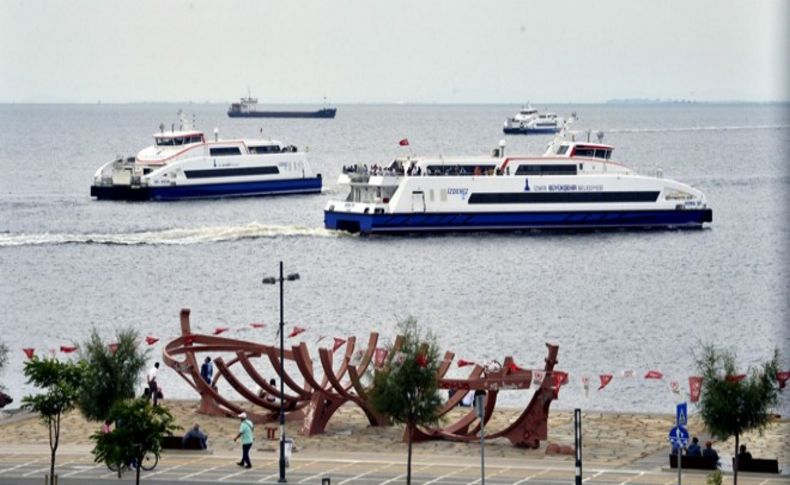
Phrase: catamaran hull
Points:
(208, 191)
(512, 221)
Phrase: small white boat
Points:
(182, 164)
(529, 121)
(574, 185)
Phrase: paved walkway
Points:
(28, 464)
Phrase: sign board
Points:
(679, 436)
(682, 414)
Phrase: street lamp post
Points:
(271, 280)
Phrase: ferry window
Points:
(265, 149)
(195, 139)
(605, 154)
(164, 142)
(224, 151)
(562, 150)
(546, 170)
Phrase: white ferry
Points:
(574, 185)
(182, 164)
(529, 121)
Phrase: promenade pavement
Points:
(27, 464)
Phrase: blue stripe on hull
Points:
(530, 131)
(495, 221)
(206, 191)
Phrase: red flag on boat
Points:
(464, 363)
(404, 142)
(605, 380)
(338, 343)
(782, 377)
(113, 347)
(66, 349)
(257, 325)
(220, 330)
(736, 378)
(654, 374)
(379, 357)
(151, 340)
(31, 352)
(695, 387)
(296, 331)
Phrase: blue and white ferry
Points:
(574, 185)
(182, 164)
(529, 121)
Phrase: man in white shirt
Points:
(152, 384)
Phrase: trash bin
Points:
(289, 444)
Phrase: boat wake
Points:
(697, 128)
(181, 236)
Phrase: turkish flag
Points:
(151, 340)
(220, 330)
(113, 347)
(67, 349)
(379, 357)
(782, 378)
(654, 374)
(695, 387)
(464, 363)
(31, 352)
(404, 142)
(605, 380)
(296, 331)
(338, 343)
(257, 325)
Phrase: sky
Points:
(375, 51)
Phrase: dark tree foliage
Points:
(406, 388)
(139, 429)
(3, 359)
(60, 384)
(729, 406)
(112, 375)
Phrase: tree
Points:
(5, 399)
(60, 382)
(732, 404)
(112, 373)
(406, 388)
(139, 429)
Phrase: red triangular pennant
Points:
(605, 380)
(296, 331)
(464, 363)
(113, 347)
(338, 343)
(220, 330)
(257, 325)
(654, 374)
(31, 352)
(782, 377)
(735, 378)
(151, 340)
(67, 349)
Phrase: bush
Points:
(111, 376)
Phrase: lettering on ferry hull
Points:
(458, 191)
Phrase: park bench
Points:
(693, 462)
(177, 443)
(757, 465)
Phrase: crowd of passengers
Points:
(397, 169)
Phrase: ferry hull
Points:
(322, 113)
(510, 221)
(208, 191)
(529, 131)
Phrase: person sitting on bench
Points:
(709, 452)
(694, 449)
(195, 432)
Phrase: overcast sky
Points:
(453, 51)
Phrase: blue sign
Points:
(679, 436)
(682, 414)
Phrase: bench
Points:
(177, 443)
(757, 465)
(693, 462)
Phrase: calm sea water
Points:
(612, 300)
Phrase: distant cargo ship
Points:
(248, 108)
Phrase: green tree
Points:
(112, 374)
(731, 406)
(60, 382)
(406, 388)
(139, 429)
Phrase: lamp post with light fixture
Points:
(271, 280)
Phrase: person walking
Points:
(153, 386)
(207, 370)
(245, 433)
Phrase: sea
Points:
(616, 302)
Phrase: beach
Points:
(609, 438)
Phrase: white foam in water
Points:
(184, 236)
